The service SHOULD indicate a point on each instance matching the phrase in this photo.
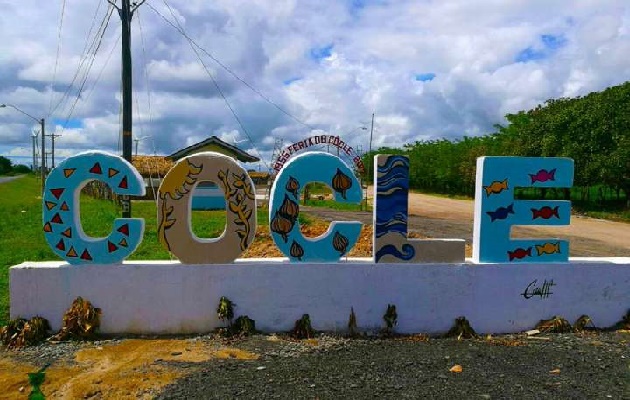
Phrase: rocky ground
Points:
(576, 365)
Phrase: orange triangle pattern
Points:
(112, 172)
(67, 233)
(50, 205)
(47, 227)
(72, 252)
(123, 242)
(64, 206)
(68, 172)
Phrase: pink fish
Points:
(543, 176)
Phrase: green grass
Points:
(22, 237)
(337, 205)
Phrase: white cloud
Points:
(489, 57)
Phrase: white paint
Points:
(168, 297)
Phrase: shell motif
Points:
(281, 225)
(341, 182)
(289, 209)
(292, 186)
(296, 250)
(340, 243)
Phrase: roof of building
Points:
(152, 166)
(213, 140)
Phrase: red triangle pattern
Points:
(61, 245)
(57, 192)
(123, 183)
(56, 219)
(86, 255)
(124, 229)
(96, 169)
(111, 247)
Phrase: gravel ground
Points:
(562, 366)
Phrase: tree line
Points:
(593, 130)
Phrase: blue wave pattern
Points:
(389, 249)
(392, 197)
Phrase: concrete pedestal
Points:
(168, 297)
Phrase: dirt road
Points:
(440, 217)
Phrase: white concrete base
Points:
(168, 297)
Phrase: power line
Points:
(54, 79)
(192, 41)
(216, 84)
(87, 50)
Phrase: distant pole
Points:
(370, 148)
(43, 166)
(53, 136)
(34, 137)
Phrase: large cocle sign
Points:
(496, 210)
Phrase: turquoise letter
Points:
(61, 200)
(496, 211)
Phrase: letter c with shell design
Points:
(284, 208)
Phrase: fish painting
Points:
(496, 187)
(545, 212)
(548, 248)
(520, 253)
(543, 176)
(501, 212)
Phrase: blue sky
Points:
(290, 69)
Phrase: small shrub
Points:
(624, 323)
(243, 326)
(554, 325)
(390, 317)
(462, 329)
(302, 328)
(225, 311)
(80, 321)
(352, 323)
(19, 332)
(35, 379)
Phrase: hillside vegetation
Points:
(593, 130)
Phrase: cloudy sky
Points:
(426, 68)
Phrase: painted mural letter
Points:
(284, 208)
(496, 211)
(61, 200)
(174, 205)
(390, 219)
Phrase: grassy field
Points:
(22, 237)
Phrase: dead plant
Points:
(80, 321)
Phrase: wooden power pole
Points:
(126, 11)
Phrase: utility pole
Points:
(370, 148)
(125, 11)
(52, 151)
(34, 137)
(43, 124)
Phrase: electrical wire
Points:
(87, 50)
(54, 79)
(226, 68)
(216, 84)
